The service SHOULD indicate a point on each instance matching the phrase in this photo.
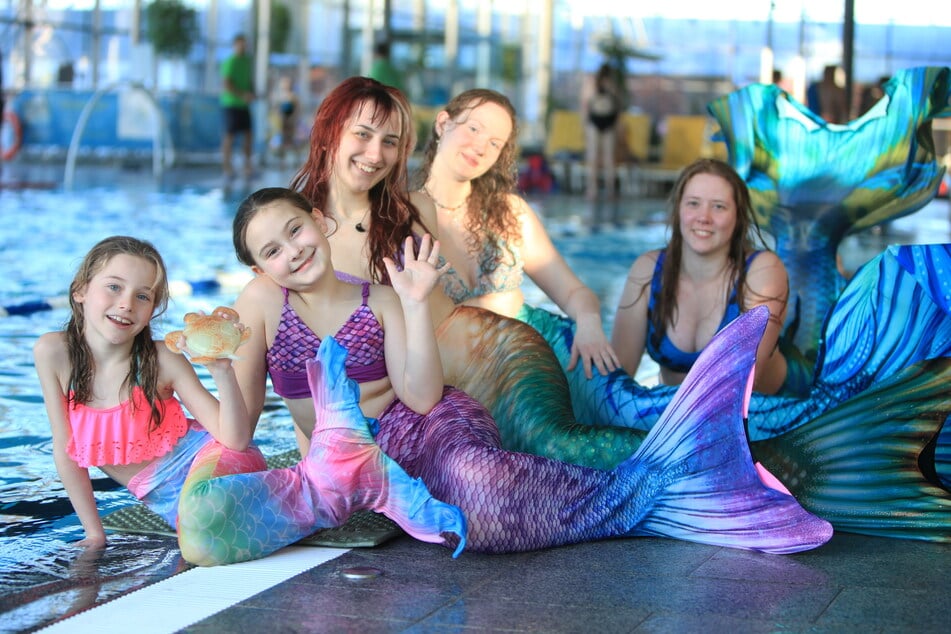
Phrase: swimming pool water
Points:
(47, 232)
(44, 239)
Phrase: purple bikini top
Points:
(294, 343)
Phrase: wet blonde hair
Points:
(143, 362)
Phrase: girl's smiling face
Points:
(707, 214)
(119, 301)
(368, 150)
(472, 143)
(288, 244)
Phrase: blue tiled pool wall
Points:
(120, 120)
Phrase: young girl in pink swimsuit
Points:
(110, 391)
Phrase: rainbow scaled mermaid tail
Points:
(812, 183)
(714, 494)
(349, 470)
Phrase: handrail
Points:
(159, 153)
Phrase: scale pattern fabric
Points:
(692, 478)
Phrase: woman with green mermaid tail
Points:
(508, 367)
(110, 391)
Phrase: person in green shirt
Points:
(236, 98)
(382, 68)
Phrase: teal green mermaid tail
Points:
(859, 465)
(506, 366)
(692, 478)
(812, 183)
(228, 514)
(351, 472)
(895, 312)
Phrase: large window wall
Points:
(537, 51)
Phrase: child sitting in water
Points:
(110, 391)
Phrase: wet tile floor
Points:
(852, 584)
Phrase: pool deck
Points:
(852, 584)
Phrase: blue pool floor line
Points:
(177, 288)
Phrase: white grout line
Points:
(188, 597)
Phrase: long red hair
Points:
(392, 213)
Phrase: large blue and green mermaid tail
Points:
(227, 514)
(895, 312)
(692, 478)
(875, 470)
(865, 463)
(812, 183)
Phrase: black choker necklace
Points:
(359, 226)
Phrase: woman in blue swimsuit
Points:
(677, 298)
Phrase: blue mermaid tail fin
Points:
(812, 183)
(895, 312)
(349, 470)
(713, 493)
(867, 465)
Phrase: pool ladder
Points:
(163, 150)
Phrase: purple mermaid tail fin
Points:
(351, 472)
(714, 494)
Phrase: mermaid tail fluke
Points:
(812, 183)
(714, 494)
(894, 313)
(349, 470)
(867, 465)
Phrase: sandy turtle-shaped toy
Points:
(209, 337)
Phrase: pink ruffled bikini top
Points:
(123, 434)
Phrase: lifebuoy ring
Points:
(11, 119)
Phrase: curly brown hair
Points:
(491, 221)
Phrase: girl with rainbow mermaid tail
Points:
(509, 368)
(110, 390)
(692, 478)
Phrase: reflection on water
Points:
(39, 252)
